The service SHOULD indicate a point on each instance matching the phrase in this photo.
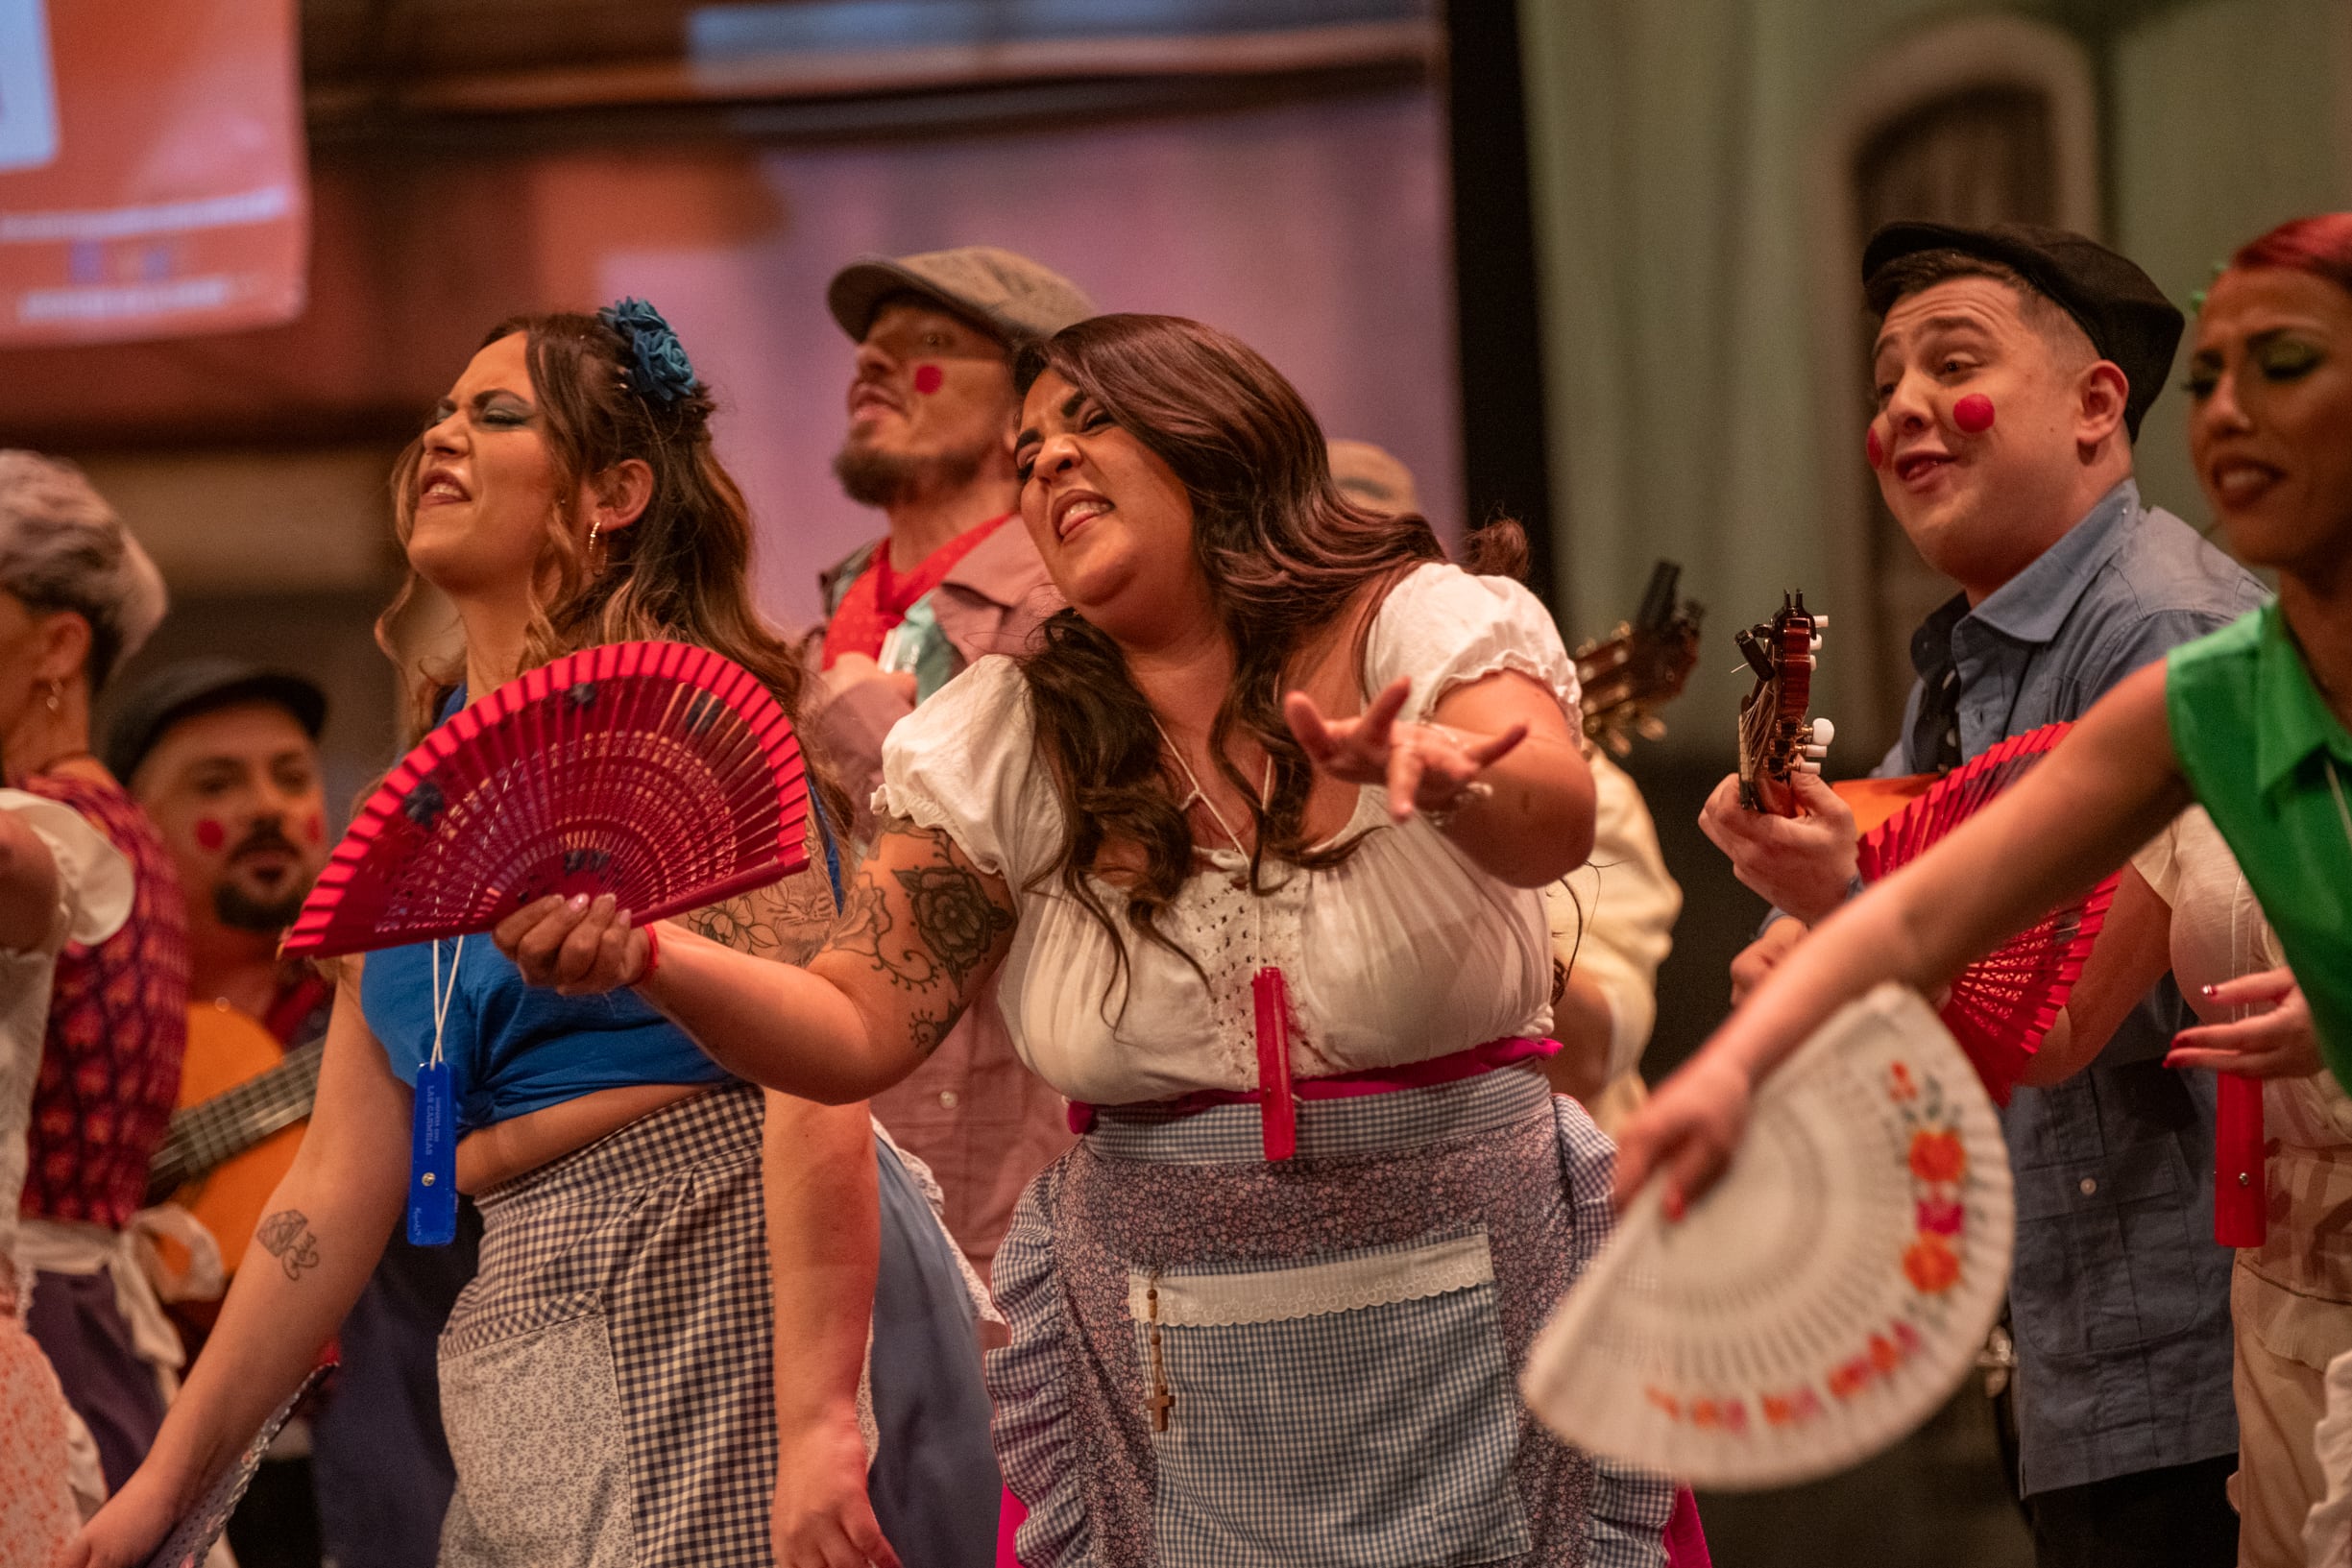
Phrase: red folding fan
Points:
(657, 772)
(2003, 1003)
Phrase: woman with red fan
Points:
(1291, 967)
(2253, 722)
(663, 1357)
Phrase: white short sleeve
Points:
(95, 888)
(1445, 628)
(966, 764)
(2159, 860)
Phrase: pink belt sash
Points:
(1508, 1051)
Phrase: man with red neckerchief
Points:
(932, 410)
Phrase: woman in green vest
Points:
(2253, 722)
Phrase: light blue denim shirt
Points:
(2120, 1298)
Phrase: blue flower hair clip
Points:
(659, 370)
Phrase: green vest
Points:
(2256, 740)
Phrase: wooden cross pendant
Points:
(1161, 1401)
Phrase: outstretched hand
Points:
(1426, 767)
(577, 946)
(1685, 1134)
(2277, 1042)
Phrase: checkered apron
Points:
(1222, 1362)
(605, 1379)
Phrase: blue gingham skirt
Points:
(1333, 1340)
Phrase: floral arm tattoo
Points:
(787, 922)
(287, 1236)
(948, 927)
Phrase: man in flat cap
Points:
(931, 411)
(2012, 368)
(224, 756)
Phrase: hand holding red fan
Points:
(2002, 1005)
(658, 772)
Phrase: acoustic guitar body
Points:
(228, 1048)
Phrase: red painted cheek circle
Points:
(927, 378)
(1973, 413)
(1871, 448)
(314, 828)
(211, 834)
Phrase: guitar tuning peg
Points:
(1820, 621)
(1823, 732)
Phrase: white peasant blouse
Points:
(1404, 951)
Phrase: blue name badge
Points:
(432, 1162)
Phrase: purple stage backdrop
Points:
(1316, 233)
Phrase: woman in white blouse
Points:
(60, 882)
(1250, 842)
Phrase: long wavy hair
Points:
(681, 573)
(1286, 557)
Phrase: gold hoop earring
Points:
(594, 525)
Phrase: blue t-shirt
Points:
(515, 1048)
(512, 1047)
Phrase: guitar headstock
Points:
(1641, 668)
(1774, 731)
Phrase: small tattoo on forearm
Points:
(287, 1236)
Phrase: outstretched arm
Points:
(921, 932)
(325, 1227)
(2102, 793)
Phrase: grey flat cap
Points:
(1009, 295)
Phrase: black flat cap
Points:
(2120, 307)
(199, 686)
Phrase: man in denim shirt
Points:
(2012, 370)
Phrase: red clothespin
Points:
(1281, 1117)
(2240, 1190)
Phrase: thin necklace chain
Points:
(1266, 789)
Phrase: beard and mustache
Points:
(241, 911)
(887, 479)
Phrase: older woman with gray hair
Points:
(77, 596)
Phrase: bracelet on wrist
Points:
(653, 956)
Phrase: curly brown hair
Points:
(1286, 556)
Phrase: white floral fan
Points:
(1825, 1297)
